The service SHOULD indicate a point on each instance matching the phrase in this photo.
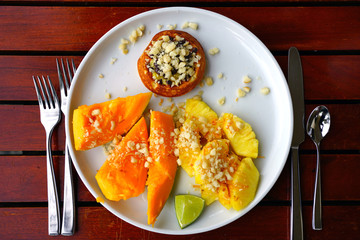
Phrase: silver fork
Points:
(49, 116)
(68, 221)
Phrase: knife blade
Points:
(296, 86)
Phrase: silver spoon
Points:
(317, 127)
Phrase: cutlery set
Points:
(317, 127)
(50, 116)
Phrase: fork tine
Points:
(49, 98)
(73, 67)
(53, 93)
(46, 102)
(69, 73)
(38, 94)
(61, 79)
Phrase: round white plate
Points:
(241, 53)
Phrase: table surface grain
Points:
(33, 33)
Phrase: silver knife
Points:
(295, 78)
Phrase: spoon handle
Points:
(296, 231)
(317, 206)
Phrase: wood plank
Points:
(98, 223)
(16, 83)
(325, 77)
(263, 222)
(328, 76)
(30, 183)
(308, 28)
(24, 132)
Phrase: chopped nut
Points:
(101, 75)
(136, 33)
(125, 89)
(265, 90)
(113, 60)
(209, 81)
(159, 26)
(221, 101)
(240, 93)
(247, 89)
(246, 79)
(220, 75)
(171, 27)
(193, 25)
(214, 51)
(95, 112)
(112, 127)
(107, 95)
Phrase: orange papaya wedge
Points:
(97, 124)
(123, 175)
(162, 169)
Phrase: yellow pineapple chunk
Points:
(198, 108)
(242, 138)
(204, 117)
(224, 196)
(209, 168)
(189, 146)
(244, 184)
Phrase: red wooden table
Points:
(327, 34)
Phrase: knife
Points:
(295, 78)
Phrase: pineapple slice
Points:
(189, 146)
(200, 123)
(224, 194)
(209, 168)
(204, 117)
(198, 108)
(242, 138)
(244, 184)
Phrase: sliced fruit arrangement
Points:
(188, 208)
(99, 123)
(219, 153)
(162, 168)
(123, 175)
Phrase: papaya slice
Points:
(123, 175)
(162, 169)
(99, 123)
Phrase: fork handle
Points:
(68, 221)
(53, 200)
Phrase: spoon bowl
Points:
(317, 127)
(318, 124)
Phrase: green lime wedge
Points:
(188, 208)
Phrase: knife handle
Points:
(296, 228)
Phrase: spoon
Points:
(317, 127)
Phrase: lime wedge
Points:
(188, 208)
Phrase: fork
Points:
(49, 116)
(68, 221)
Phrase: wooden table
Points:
(34, 32)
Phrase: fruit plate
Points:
(241, 53)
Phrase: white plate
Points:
(241, 53)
